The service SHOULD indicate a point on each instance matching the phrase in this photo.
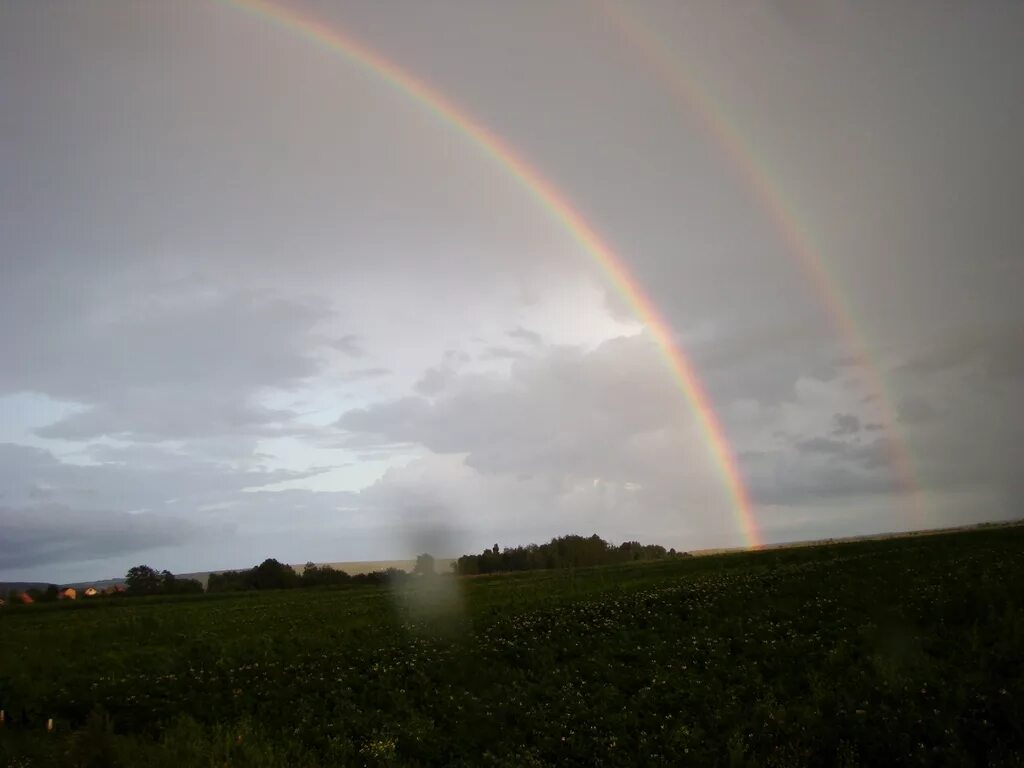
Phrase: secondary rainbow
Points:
(333, 38)
(754, 172)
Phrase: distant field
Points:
(906, 651)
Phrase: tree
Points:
(143, 580)
(314, 575)
(271, 574)
(424, 565)
(172, 585)
(229, 581)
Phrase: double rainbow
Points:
(333, 38)
(692, 100)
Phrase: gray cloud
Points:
(1000, 351)
(436, 378)
(526, 335)
(433, 381)
(845, 424)
(915, 409)
(189, 358)
(552, 414)
(156, 414)
(870, 455)
(54, 534)
(128, 479)
(824, 445)
(349, 345)
(502, 353)
(366, 373)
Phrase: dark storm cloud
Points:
(165, 413)
(127, 479)
(794, 486)
(764, 361)
(999, 351)
(178, 359)
(866, 455)
(845, 424)
(53, 513)
(47, 534)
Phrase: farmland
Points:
(894, 652)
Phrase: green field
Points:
(892, 652)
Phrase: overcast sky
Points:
(255, 302)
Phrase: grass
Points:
(898, 652)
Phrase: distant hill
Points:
(22, 586)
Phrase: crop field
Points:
(897, 652)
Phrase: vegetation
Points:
(562, 552)
(143, 580)
(270, 574)
(899, 652)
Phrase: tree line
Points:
(271, 574)
(143, 580)
(561, 552)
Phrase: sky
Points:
(256, 301)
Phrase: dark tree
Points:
(167, 581)
(229, 581)
(562, 552)
(143, 580)
(172, 585)
(314, 575)
(270, 574)
(424, 565)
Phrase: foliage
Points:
(424, 565)
(562, 552)
(270, 574)
(314, 575)
(174, 585)
(144, 580)
(898, 653)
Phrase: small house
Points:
(68, 593)
(26, 598)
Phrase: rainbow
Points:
(553, 201)
(690, 98)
